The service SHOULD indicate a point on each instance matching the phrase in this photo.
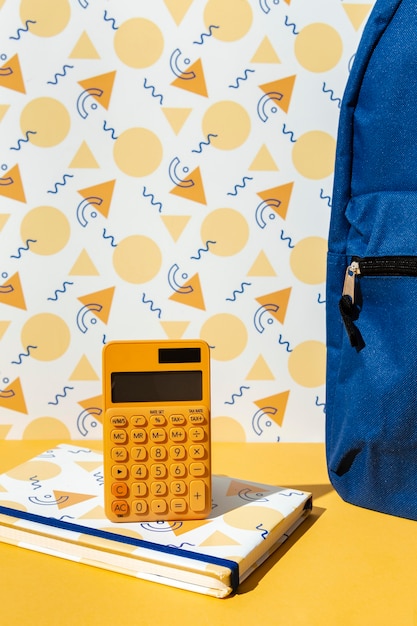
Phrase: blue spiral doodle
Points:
(153, 92)
(288, 132)
(236, 395)
(204, 143)
(60, 184)
(63, 289)
(61, 395)
(201, 250)
(238, 291)
(285, 238)
(284, 343)
(110, 19)
(152, 197)
(109, 129)
(205, 35)
(331, 92)
(110, 238)
(240, 79)
(26, 140)
(60, 75)
(24, 354)
(22, 30)
(291, 25)
(153, 308)
(242, 185)
(23, 249)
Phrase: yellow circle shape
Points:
(228, 229)
(249, 517)
(48, 335)
(137, 152)
(138, 42)
(45, 229)
(229, 124)
(137, 259)
(308, 260)
(227, 336)
(318, 47)
(43, 470)
(313, 154)
(229, 19)
(307, 364)
(47, 17)
(46, 428)
(46, 121)
(227, 429)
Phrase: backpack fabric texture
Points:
(371, 291)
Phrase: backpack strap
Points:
(381, 15)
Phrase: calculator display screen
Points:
(170, 386)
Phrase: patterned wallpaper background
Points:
(166, 172)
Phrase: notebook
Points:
(53, 503)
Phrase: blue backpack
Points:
(371, 302)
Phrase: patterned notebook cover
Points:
(54, 504)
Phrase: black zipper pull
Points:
(347, 308)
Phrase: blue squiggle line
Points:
(241, 186)
(209, 34)
(200, 250)
(154, 94)
(62, 290)
(23, 249)
(241, 78)
(26, 140)
(152, 197)
(106, 236)
(24, 354)
(290, 24)
(22, 30)
(59, 74)
(328, 198)
(321, 404)
(61, 395)
(35, 482)
(288, 132)
(153, 309)
(236, 291)
(236, 395)
(109, 129)
(321, 300)
(204, 143)
(290, 245)
(110, 19)
(264, 531)
(332, 98)
(58, 184)
(83, 3)
(284, 343)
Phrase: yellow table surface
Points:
(343, 566)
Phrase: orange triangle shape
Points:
(357, 13)
(11, 185)
(12, 397)
(103, 83)
(278, 198)
(193, 192)
(11, 292)
(67, 498)
(193, 79)
(278, 299)
(219, 539)
(282, 87)
(101, 298)
(191, 297)
(11, 75)
(92, 403)
(274, 406)
(103, 192)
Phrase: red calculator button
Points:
(119, 490)
(120, 508)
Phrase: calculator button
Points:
(177, 434)
(158, 453)
(120, 508)
(139, 453)
(119, 490)
(138, 435)
(158, 470)
(159, 506)
(178, 487)
(197, 418)
(139, 471)
(178, 505)
(197, 451)
(197, 496)
(140, 507)
(197, 434)
(177, 419)
(119, 454)
(158, 435)
(139, 490)
(177, 452)
(118, 420)
(138, 420)
(118, 436)
(178, 470)
(159, 489)
(197, 469)
(119, 471)
(158, 420)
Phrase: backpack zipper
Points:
(369, 266)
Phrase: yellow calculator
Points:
(157, 455)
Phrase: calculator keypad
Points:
(157, 464)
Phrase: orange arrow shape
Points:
(104, 192)
(11, 185)
(274, 406)
(278, 198)
(283, 87)
(67, 498)
(192, 297)
(11, 75)
(12, 397)
(11, 292)
(278, 298)
(193, 79)
(104, 83)
(193, 192)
